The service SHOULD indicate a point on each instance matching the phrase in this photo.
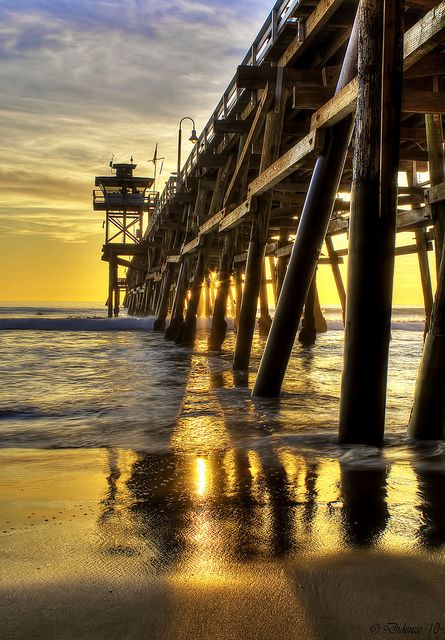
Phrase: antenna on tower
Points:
(155, 162)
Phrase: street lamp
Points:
(193, 138)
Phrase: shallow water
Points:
(149, 463)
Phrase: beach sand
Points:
(117, 545)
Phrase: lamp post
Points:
(193, 138)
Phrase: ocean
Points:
(140, 482)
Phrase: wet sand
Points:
(236, 544)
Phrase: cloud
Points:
(82, 80)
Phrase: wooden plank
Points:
(418, 40)
(415, 101)
(414, 218)
(436, 193)
(313, 25)
(234, 218)
(424, 35)
(310, 97)
(287, 163)
(174, 258)
(337, 108)
(434, 65)
(212, 223)
(253, 78)
(231, 126)
(257, 125)
(191, 246)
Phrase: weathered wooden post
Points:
(219, 324)
(238, 294)
(258, 238)
(308, 334)
(427, 421)
(373, 223)
(159, 324)
(282, 261)
(434, 141)
(177, 314)
(422, 255)
(264, 321)
(112, 268)
(311, 231)
(337, 275)
(187, 331)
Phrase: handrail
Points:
(277, 20)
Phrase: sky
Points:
(84, 79)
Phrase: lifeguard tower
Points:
(124, 198)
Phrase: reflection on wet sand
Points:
(240, 528)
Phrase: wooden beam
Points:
(212, 223)
(191, 246)
(287, 164)
(424, 35)
(415, 101)
(313, 25)
(235, 217)
(257, 125)
(310, 97)
(436, 193)
(418, 40)
(434, 65)
(231, 126)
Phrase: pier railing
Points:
(282, 15)
(124, 201)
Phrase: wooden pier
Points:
(334, 99)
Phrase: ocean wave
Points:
(410, 325)
(142, 324)
(76, 324)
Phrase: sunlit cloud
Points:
(83, 80)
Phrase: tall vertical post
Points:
(434, 141)
(219, 324)
(111, 278)
(162, 310)
(311, 231)
(116, 294)
(282, 261)
(264, 321)
(427, 421)
(177, 314)
(422, 254)
(186, 333)
(258, 238)
(308, 334)
(337, 274)
(373, 223)
(238, 294)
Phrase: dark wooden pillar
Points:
(373, 223)
(282, 261)
(308, 334)
(264, 321)
(162, 310)
(238, 294)
(112, 268)
(187, 332)
(422, 254)
(258, 238)
(337, 274)
(219, 324)
(427, 420)
(311, 231)
(177, 314)
(434, 140)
